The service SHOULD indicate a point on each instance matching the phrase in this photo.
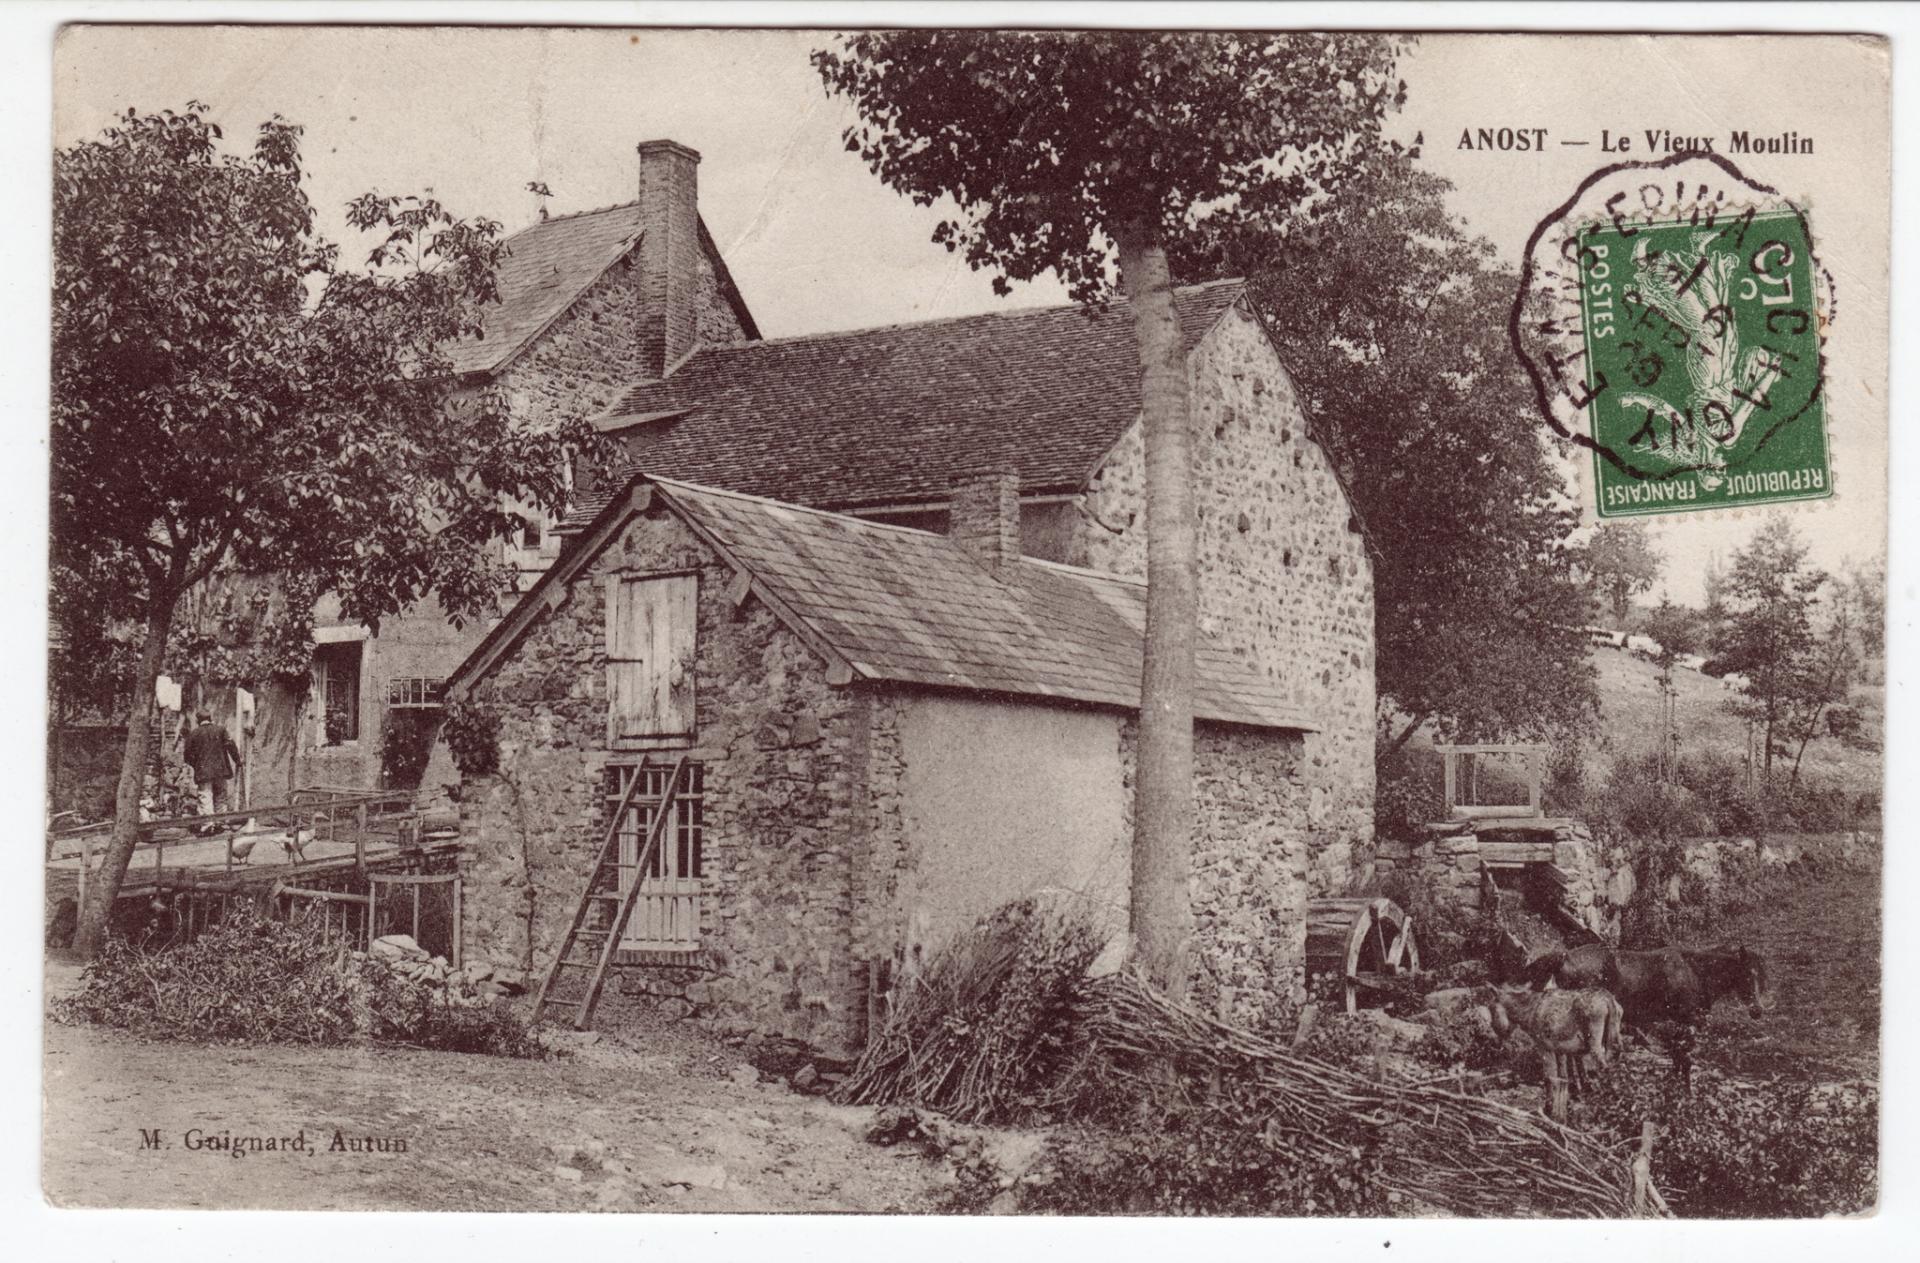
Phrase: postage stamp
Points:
(1679, 338)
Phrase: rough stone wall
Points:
(1284, 577)
(776, 937)
(575, 368)
(1250, 878)
(581, 363)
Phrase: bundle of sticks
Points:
(1445, 1149)
(985, 1031)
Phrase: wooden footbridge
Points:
(327, 847)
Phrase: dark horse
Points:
(1672, 988)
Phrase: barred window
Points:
(416, 691)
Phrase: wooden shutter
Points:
(650, 647)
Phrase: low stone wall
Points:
(1449, 862)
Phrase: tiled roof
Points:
(547, 266)
(905, 605)
(893, 415)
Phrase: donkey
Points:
(1671, 988)
(1567, 1027)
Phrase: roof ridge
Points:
(1005, 313)
(704, 489)
(580, 214)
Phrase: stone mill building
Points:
(883, 590)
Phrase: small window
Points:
(532, 534)
(339, 687)
(415, 692)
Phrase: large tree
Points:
(1391, 317)
(1623, 562)
(228, 395)
(1067, 152)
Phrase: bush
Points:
(1733, 1150)
(406, 744)
(1409, 790)
(473, 738)
(250, 978)
(1636, 803)
(1461, 1039)
(1199, 1162)
(1445, 932)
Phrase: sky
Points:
(816, 242)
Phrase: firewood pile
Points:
(985, 1032)
(1006, 1026)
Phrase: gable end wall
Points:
(1285, 582)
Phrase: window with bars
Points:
(415, 691)
(667, 916)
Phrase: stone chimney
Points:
(985, 517)
(669, 252)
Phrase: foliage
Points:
(1735, 1150)
(406, 743)
(1391, 318)
(1864, 587)
(1051, 142)
(246, 978)
(1461, 1040)
(1202, 1162)
(1770, 636)
(1409, 788)
(1065, 151)
(1622, 563)
(982, 1031)
(1446, 932)
(229, 397)
(254, 979)
(1675, 628)
(473, 738)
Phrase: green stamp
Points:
(1703, 369)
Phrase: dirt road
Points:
(612, 1128)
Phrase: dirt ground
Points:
(1820, 933)
(611, 1128)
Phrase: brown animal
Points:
(1668, 991)
(1566, 1027)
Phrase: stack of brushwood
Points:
(986, 1031)
(1445, 1149)
(1005, 1026)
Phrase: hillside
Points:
(1630, 709)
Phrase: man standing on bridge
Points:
(214, 759)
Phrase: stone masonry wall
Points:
(575, 368)
(776, 936)
(1285, 581)
(581, 363)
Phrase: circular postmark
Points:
(1671, 317)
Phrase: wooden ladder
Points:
(606, 871)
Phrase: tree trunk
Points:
(103, 889)
(1161, 913)
(1412, 727)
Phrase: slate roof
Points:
(909, 606)
(893, 415)
(549, 265)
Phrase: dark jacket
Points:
(211, 753)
